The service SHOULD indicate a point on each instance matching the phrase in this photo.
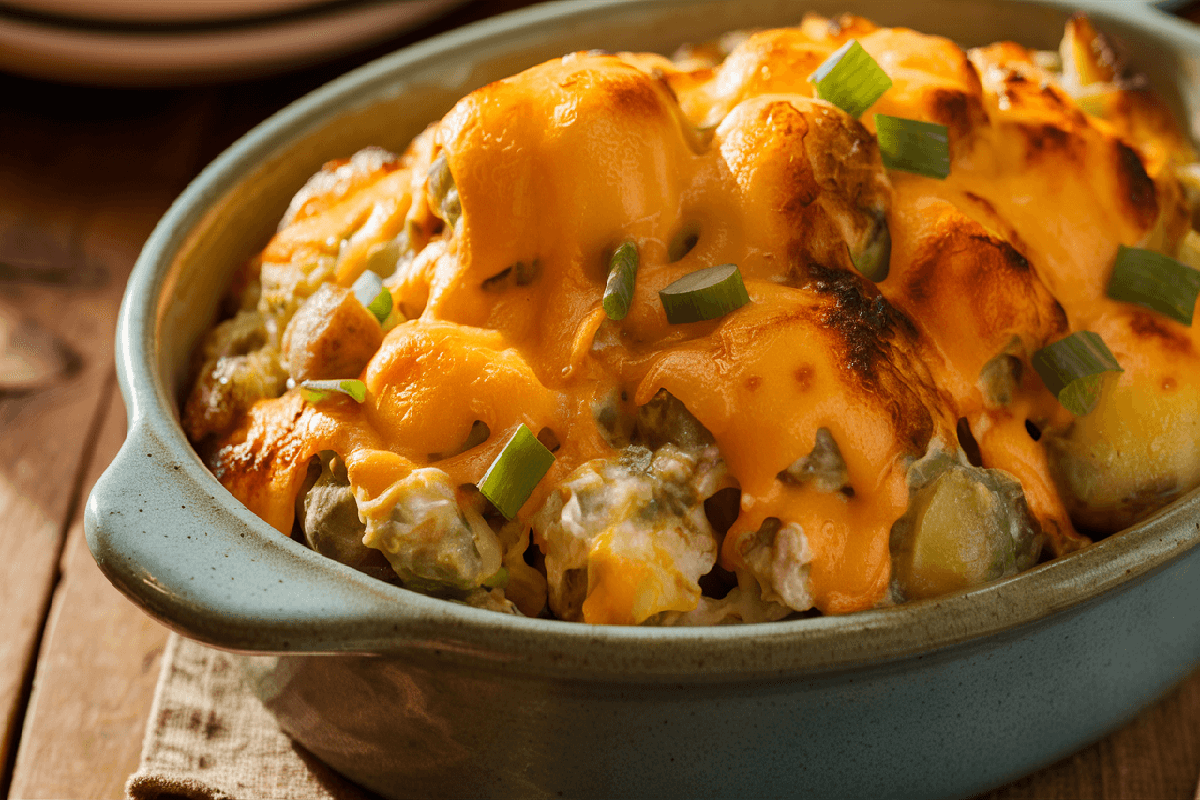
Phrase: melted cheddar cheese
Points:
(820, 415)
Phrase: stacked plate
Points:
(153, 43)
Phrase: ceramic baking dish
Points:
(422, 697)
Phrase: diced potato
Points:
(1136, 451)
(332, 336)
(966, 527)
(240, 367)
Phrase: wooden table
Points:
(84, 176)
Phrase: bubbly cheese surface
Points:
(493, 233)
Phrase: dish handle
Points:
(178, 544)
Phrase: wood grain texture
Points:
(96, 671)
(81, 185)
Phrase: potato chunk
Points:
(240, 367)
(331, 336)
(965, 527)
(1134, 453)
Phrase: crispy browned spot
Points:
(864, 319)
(1149, 326)
(245, 461)
(1136, 186)
(1049, 141)
(876, 340)
(960, 111)
(630, 94)
(983, 277)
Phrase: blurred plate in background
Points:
(145, 52)
(158, 11)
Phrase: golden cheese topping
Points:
(796, 453)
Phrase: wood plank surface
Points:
(85, 174)
(97, 669)
(81, 186)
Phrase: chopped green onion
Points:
(704, 294)
(497, 581)
(913, 146)
(875, 256)
(851, 79)
(1156, 282)
(622, 270)
(316, 391)
(1073, 369)
(512, 477)
(370, 291)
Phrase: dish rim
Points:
(448, 630)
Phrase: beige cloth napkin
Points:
(209, 738)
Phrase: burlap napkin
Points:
(209, 738)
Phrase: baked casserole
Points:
(637, 340)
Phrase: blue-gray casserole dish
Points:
(413, 696)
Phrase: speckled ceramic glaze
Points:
(933, 699)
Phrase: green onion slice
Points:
(1156, 282)
(370, 291)
(1073, 369)
(316, 391)
(516, 471)
(622, 270)
(913, 146)
(498, 580)
(875, 256)
(851, 79)
(704, 294)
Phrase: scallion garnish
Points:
(1156, 282)
(497, 581)
(316, 391)
(512, 477)
(622, 270)
(875, 256)
(913, 146)
(851, 79)
(370, 291)
(704, 294)
(1073, 368)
